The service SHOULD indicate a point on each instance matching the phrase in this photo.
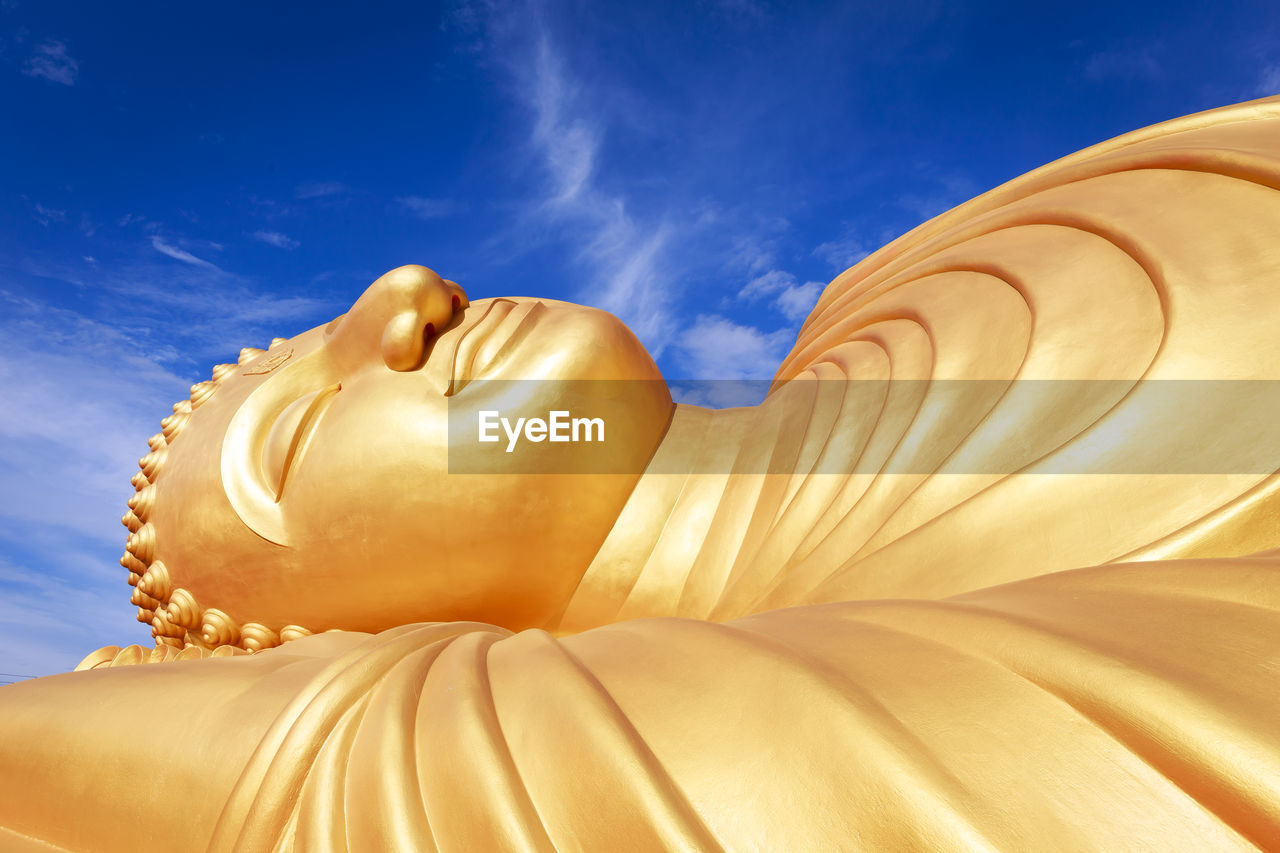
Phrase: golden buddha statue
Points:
(911, 601)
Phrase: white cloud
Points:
(1268, 82)
(715, 347)
(81, 397)
(637, 255)
(275, 238)
(765, 285)
(321, 189)
(1124, 62)
(80, 402)
(179, 255)
(468, 18)
(626, 257)
(792, 299)
(720, 393)
(842, 253)
(751, 253)
(45, 215)
(206, 312)
(68, 378)
(52, 62)
(43, 631)
(426, 208)
(568, 143)
(129, 219)
(797, 300)
(631, 283)
(941, 192)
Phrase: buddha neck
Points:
(706, 533)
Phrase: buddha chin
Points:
(311, 487)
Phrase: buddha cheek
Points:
(387, 536)
(345, 502)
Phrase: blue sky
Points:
(179, 182)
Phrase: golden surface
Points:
(905, 656)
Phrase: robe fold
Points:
(1108, 708)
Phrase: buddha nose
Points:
(395, 318)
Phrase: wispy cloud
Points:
(427, 208)
(1128, 61)
(179, 254)
(940, 194)
(797, 300)
(1268, 82)
(51, 61)
(82, 400)
(792, 299)
(749, 252)
(568, 142)
(626, 257)
(45, 215)
(83, 390)
(637, 254)
(765, 285)
(715, 347)
(49, 629)
(275, 238)
(83, 397)
(203, 311)
(190, 314)
(321, 189)
(843, 252)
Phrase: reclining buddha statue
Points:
(995, 565)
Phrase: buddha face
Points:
(312, 486)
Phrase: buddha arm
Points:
(1092, 709)
(110, 759)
